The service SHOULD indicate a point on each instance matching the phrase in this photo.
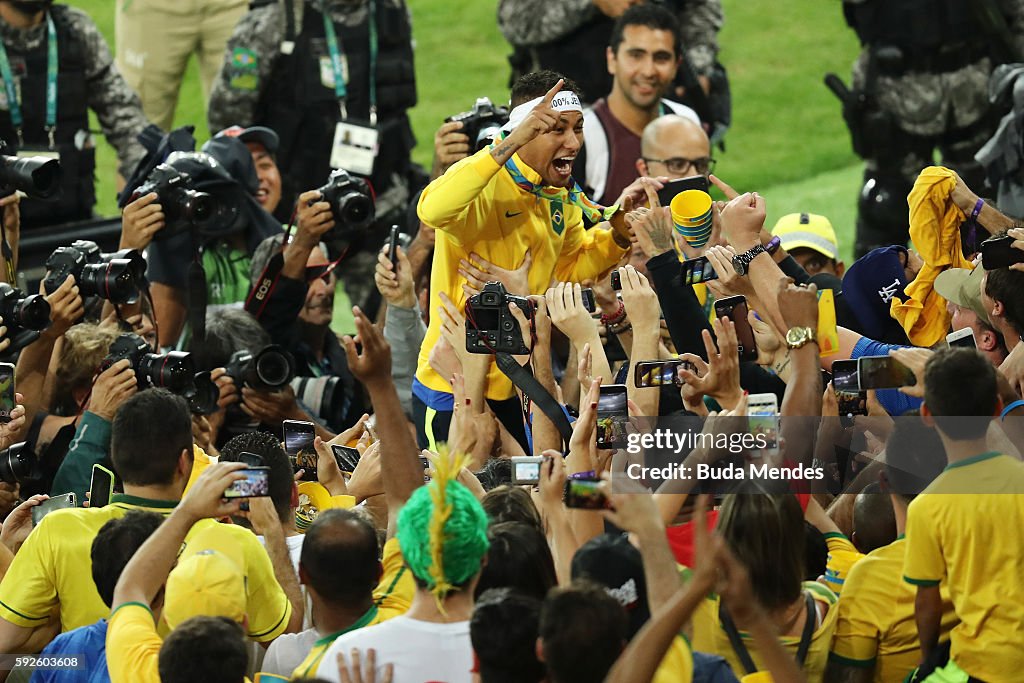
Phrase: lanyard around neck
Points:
(339, 73)
(17, 120)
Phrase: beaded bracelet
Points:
(615, 318)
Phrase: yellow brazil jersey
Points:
(964, 532)
(476, 207)
(842, 555)
(709, 636)
(876, 626)
(392, 597)
(133, 645)
(677, 664)
(54, 569)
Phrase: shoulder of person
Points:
(681, 110)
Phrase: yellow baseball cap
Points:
(807, 230)
(207, 581)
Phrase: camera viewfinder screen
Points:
(527, 471)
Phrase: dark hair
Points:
(652, 16)
(874, 522)
(583, 630)
(115, 544)
(1005, 286)
(496, 472)
(914, 456)
(961, 393)
(511, 504)
(227, 330)
(520, 558)
(282, 478)
(150, 431)
(766, 532)
(208, 649)
(503, 631)
(339, 557)
(536, 84)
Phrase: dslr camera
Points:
(490, 327)
(351, 203)
(481, 123)
(18, 464)
(116, 277)
(174, 371)
(37, 177)
(24, 316)
(267, 370)
(183, 206)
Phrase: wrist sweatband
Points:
(1010, 408)
(977, 209)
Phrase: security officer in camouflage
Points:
(278, 72)
(85, 78)
(570, 36)
(921, 82)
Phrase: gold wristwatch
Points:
(798, 336)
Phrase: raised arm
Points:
(401, 471)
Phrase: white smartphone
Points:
(763, 421)
(964, 337)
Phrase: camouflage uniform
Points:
(239, 96)
(102, 89)
(533, 22)
(945, 109)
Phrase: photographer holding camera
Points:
(515, 196)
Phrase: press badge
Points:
(355, 147)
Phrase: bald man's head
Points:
(874, 522)
(339, 558)
(672, 138)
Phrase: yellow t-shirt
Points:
(392, 597)
(964, 532)
(677, 664)
(709, 636)
(842, 555)
(476, 207)
(54, 568)
(876, 624)
(133, 645)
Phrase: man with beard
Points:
(46, 111)
(297, 311)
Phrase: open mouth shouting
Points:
(563, 168)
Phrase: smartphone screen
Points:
(347, 457)
(298, 444)
(674, 187)
(883, 372)
(844, 376)
(698, 270)
(852, 403)
(68, 500)
(7, 400)
(526, 469)
(735, 308)
(255, 485)
(612, 412)
(588, 299)
(584, 494)
(763, 418)
(656, 373)
(101, 486)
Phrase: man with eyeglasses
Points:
(643, 58)
(674, 147)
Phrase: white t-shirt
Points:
(288, 651)
(419, 650)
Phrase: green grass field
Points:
(787, 140)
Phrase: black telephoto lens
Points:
(17, 463)
(274, 367)
(199, 208)
(203, 401)
(35, 176)
(32, 313)
(174, 371)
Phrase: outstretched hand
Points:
(370, 364)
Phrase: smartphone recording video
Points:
(255, 485)
(656, 373)
(612, 413)
(883, 372)
(763, 419)
(526, 470)
(735, 308)
(584, 494)
(7, 400)
(298, 444)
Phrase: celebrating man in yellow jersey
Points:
(514, 197)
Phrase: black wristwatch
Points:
(741, 262)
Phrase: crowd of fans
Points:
(449, 494)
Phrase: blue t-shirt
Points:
(894, 401)
(89, 642)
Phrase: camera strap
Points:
(11, 86)
(339, 67)
(196, 293)
(528, 384)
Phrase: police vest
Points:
(78, 191)
(916, 27)
(302, 108)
